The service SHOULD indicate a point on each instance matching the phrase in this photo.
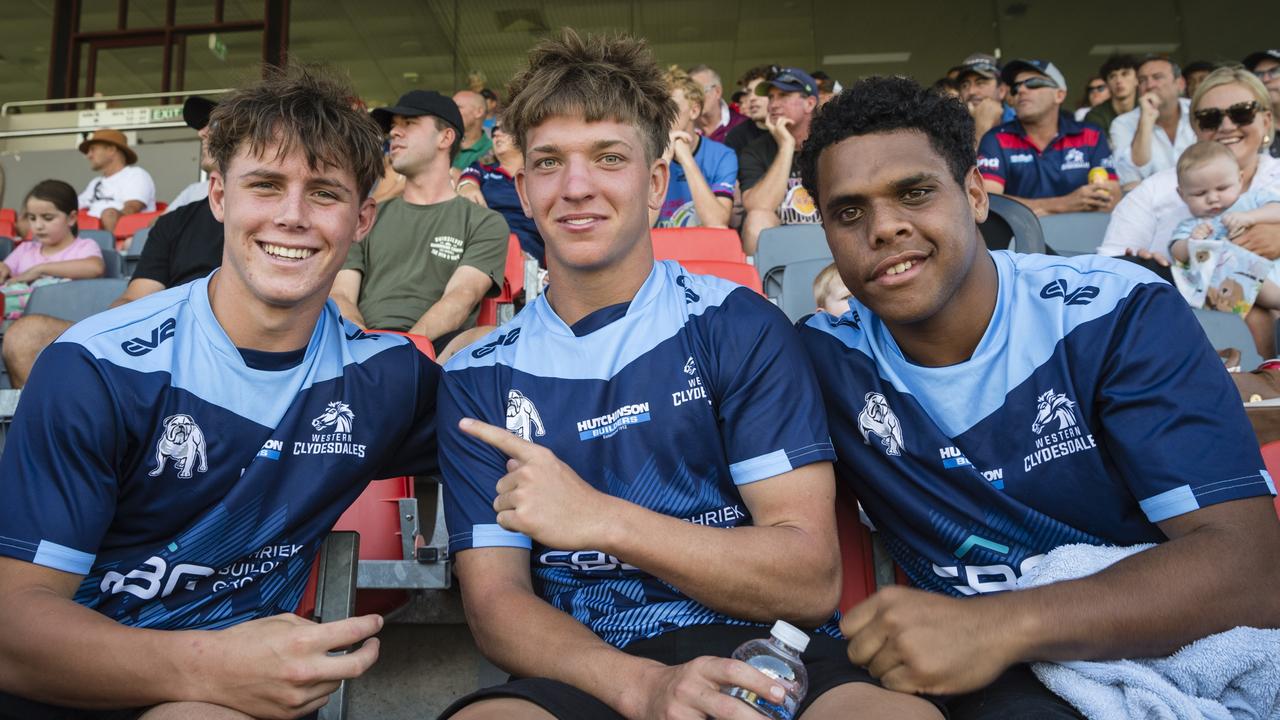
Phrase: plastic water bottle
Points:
(779, 658)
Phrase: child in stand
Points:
(54, 253)
(829, 291)
(1218, 273)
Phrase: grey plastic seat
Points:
(134, 254)
(1079, 233)
(76, 300)
(786, 244)
(6, 246)
(797, 287)
(104, 238)
(1012, 226)
(114, 264)
(1227, 330)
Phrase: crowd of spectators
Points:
(1173, 154)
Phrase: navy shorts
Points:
(825, 660)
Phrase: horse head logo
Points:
(1053, 406)
(877, 419)
(183, 442)
(337, 415)
(523, 419)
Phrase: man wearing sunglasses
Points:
(1150, 137)
(1043, 157)
(1266, 65)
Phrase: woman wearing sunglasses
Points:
(1232, 107)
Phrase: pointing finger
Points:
(500, 438)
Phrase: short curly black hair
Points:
(885, 104)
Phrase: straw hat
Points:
(111, 137)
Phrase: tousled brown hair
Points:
(598, 78)
(303, 106)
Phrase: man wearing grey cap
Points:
(1044, 158)
(1265, 64)
(983, 93)
(432, 255)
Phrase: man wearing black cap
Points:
(195, 112)
(1043, 158)
(983, 93)
(1266, 65)
(185, 244)
(770, 180)
(432, 256)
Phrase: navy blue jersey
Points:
(189, 488)
(1007, 156)
(1092, 408)
(719, 167)
(672, 402)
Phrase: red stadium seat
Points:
(8, 214)
(697, 243)
(6, 228)
(856, 557)
(422, 342)
(85, 221)
(375, 516)
(1271, 456)
(512, 284)
(161, 206)
(741, 273)
(130, 224)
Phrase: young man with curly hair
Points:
(638, 470)
(989, 407)
(177, 461)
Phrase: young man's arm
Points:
(769, 192)
(524, 635)
(465, 289)
(1130, 136)
(713, 210)
(346, 293)
(1149, 604)
(57, 651)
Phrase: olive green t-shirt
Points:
(412, 251)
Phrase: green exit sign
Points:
(165, 114)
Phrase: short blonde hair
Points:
(822, 283)
(1234, 74)
(678, 79)
(1201, 154)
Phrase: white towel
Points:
(1228, 676)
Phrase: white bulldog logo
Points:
(877, 419)
(523, 419)
(183, 441)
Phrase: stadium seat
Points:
(8, 406)
(741, 273)
(130, 224)
(857, 559)
(697, 243)
(512, 284)
(6, 246)
(1271, 458)
(797, 287)
(7, 228)
(76, 300)
(9, 214)
(133, 254)
(113, 262)
(785, 244)
(1012, 226)
(422, 342)
(85, 221)
(104, 238)
(161, 206)
(1227, 330)
(1078, 233)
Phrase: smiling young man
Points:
(638, 468)
(989, 407)
(176, 461)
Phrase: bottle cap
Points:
(791, 635)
